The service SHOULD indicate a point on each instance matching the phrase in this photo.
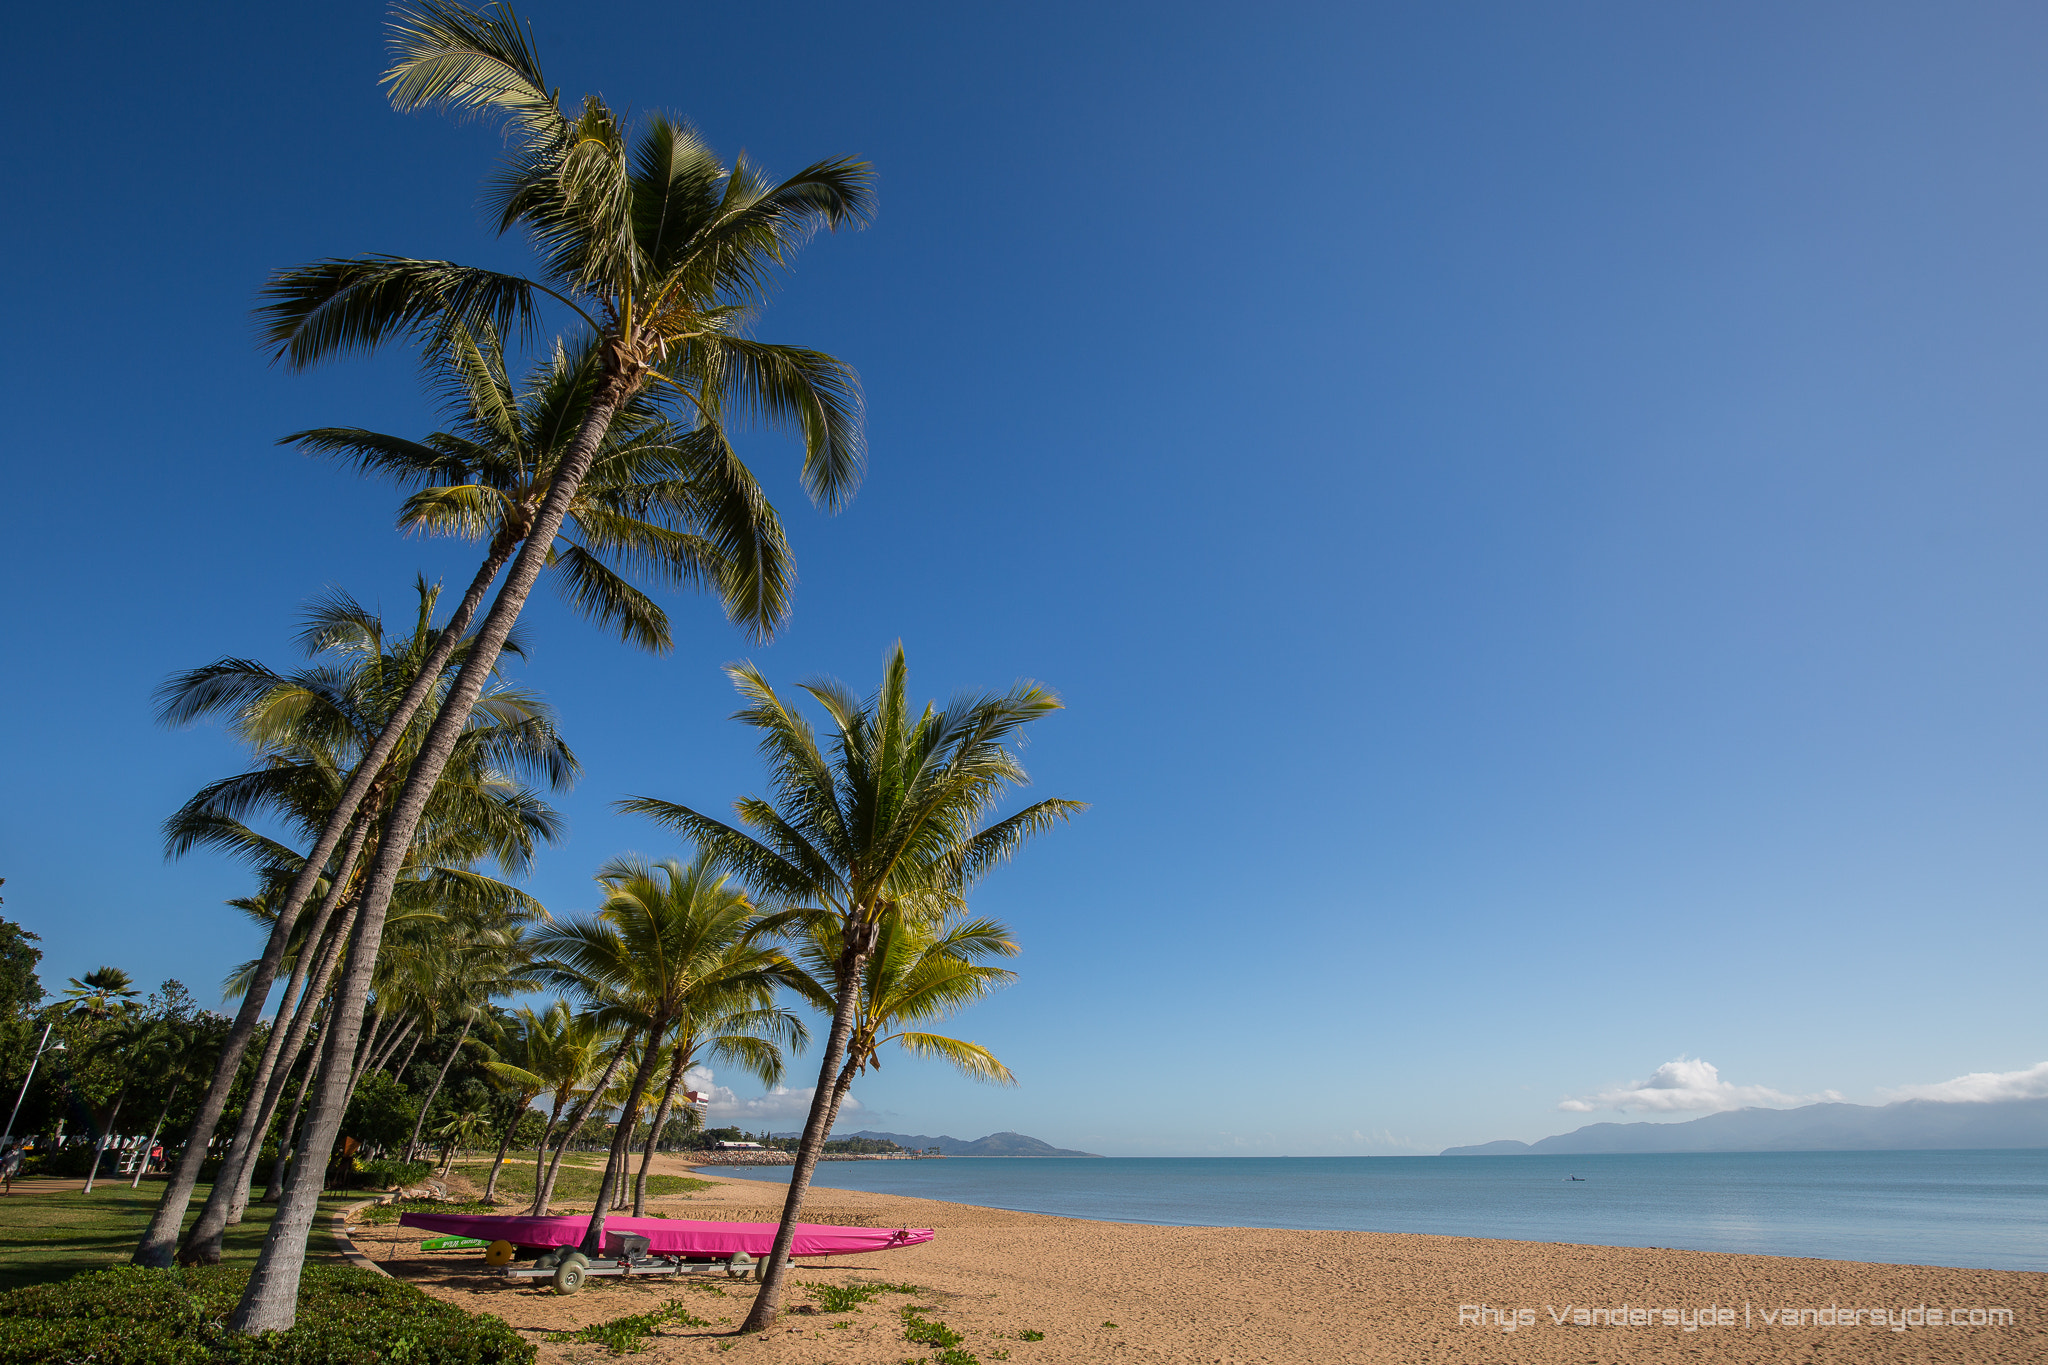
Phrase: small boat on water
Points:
(671, 1237)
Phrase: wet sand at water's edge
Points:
(1136, 1293)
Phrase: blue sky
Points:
(1535, 512)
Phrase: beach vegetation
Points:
(846, 1298)
(629, 1335)
(926, 1331)
(881, 821)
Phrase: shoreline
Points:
(1244, 1296)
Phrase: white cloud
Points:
(780, 1106)
(1688, 1085)
(1980, 1087)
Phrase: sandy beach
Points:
(1232, 1296)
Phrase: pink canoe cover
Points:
(670, 1236)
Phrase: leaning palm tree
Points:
(670, 941)
(888, 824)
(747, 1037)
(661, 252)
(924, 969)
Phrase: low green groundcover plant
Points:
(845, 1298)
(624, 1336)
(133, 1316)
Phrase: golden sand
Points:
(1128, 1293)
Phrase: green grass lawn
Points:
(50, 1236)
(577, 1180)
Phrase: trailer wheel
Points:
(548, 1261)
(569, 1275)
(500, 1252)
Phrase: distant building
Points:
(739, 1146)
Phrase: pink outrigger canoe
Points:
(670, 1236)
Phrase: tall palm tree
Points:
(889, 824)
(923, 969)
(307, 729)
(661, 252)
(671, 940)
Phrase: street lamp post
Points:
(45, 1043)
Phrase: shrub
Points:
(68, 1162)
(133, 1316)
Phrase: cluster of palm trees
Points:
(409, 769)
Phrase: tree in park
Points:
(104, 993)
(662, 252)
(886, 824)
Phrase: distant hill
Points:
(1909, 1125)
(995, 1144)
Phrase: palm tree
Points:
(922, 970)
(105, 992)
(525, 1056)
(887, 825)
(660, 501)
(307, 728)
(662, 252)
(670, 941)
(467, 972)
(462, 1131)
(750, 1038)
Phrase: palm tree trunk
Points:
(505, 1145)
(368, 1047)
(622, 1139)
(544, 1191)
(310, 1005)
(540, 1153)
(150, 1146)
(419, 1120)
(417, 1034)
(817, 1127)
(99, 1148)
(274, 1189)
(270, 1303)
(668, 1096)
(229, 1198)
(160, 1240)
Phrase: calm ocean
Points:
(1984, 1209)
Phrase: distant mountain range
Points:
(995, 1144)
(1909, 1125)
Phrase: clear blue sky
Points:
(1536, 512)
